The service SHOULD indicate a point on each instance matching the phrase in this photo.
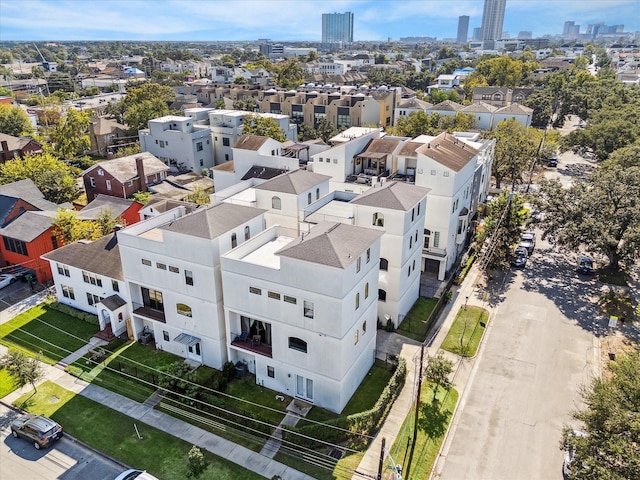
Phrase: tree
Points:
(325, 130)
(23, 369)
(501, 230)
(626, 157)
(142, 197)
(54, 178)
(196, 462)
(107, 222)
(128, 150)
(67, 226)
(541, 101)
(415, 124)
(306, 132)
(264, 126)
(200, 196)
(599, 214)
(70, 137)
(516, 146)
(61, 81)
(142, 104)
(289, 74)
(14, 121)
(137, 116)
(473, 80)
(438, 371)
(609, 450)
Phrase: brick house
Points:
(17, 147)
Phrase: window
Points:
(409, 271)
(308, 309)
(152, 299)
(115, 286)
(357, 300)
(416, 236)
(174, 269)
(91, 278)
(358, 262)
(418, 209)
(68, 292)
(355, 337)
(317, 193)
(433, 172)
(445, 174)
(309, 198)
(298, 344)
(366, 290)
(165, 335)
(188, 277)
(384, 264)
(289, 299)
(382, 295)
(274, 295)
(93, 299)
(101, 172)
(247, 233)
(368, 255)
(54, 241)
(414, 265)
(276, 204)
(271, 372)
(15, 246)
(161, 266)
(108, 184)
(234, 240)
(436, 239)
(161, 143)
(364, 327)
(255, 291)
(378, 219)
(146, 262)
(183, 309)
(63, 270)
(410, 242)
(92, 181)
(199, 147)
(225, 141)
(335, 160)
(413, 214)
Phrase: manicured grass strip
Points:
(7, 384)
(160, 453)
(415, 323)
(469, 327)
(433, 421)
(48, 331)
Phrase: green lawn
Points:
(433, 421)
(113, 433)
(469, 327)
(6, 383)
(45, 330)
(414, 325)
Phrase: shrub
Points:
(196, 462)
(467, 266)
(75, 313)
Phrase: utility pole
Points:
(415, 422)
(381, 464)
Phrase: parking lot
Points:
(20, 290)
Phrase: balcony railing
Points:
(148, 312)
(260, 348)
(438, 252)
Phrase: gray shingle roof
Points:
(332, 244)
(250, 142)
(124, 169)
(449, 151)
(213, 221)
(101, 256)
(394, 196)
(409, 149)
(295, 182)
(27, 191)
(101, 203)
(113, 302)
(27, 227)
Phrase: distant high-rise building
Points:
(492, 20)
(337, 27)
(463, 28)
(525, 34)
(477, 34)
(568, 28)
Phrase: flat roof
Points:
(265, 255)
(334, 209)
(248, 195)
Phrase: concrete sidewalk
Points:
(469, 293)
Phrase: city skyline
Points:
(288, 20)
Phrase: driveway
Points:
(538, 351)
(66, 460)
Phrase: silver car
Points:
(40, 430)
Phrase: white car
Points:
(7, 279)
(135, 475)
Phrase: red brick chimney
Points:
(142, 183)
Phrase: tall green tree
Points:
(14, 121)
(70, 137)
(264, 126)
(55, 179)
(610, 449)
(22, 369)
(516, 146)
(289, 74)
(438, 371)
(68, 227)
(599, 215)
(143, 103)
(325, 130)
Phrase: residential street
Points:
(66, 460)
(538, 350)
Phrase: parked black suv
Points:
(42, 431)
(552, 162)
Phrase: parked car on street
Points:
(40, 430)
(585, 265)
(7, 279)
(520, 259)
(552, 162)
(528, 241)
(135, 475)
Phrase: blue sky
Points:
(288, 19)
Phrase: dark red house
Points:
(17, 147)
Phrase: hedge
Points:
(74, 312)
(465, 269)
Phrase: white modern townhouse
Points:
(88, 276)
(446, 165)
(171, 264)
(301, 312)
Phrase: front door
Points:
(194, 352)
(304, 388)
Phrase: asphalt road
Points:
(66, 460)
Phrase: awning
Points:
(188, 340)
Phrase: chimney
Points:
(5, 153)
(142, 184)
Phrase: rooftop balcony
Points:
(244, 342)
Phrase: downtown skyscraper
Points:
(492, 20)
(337, 28)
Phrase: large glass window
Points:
(152, 299)
(276, 204)
(188, 277)
(384, 264)
(15, 246)
(308, 309)
(378, 219)
(183, 309)
(298, 344)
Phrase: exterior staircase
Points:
(106, 334)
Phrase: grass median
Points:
(466, 332)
